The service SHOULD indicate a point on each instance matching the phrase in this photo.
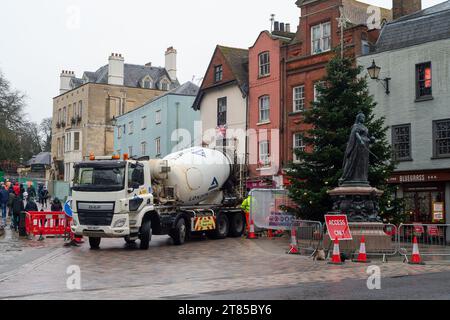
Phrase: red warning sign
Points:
(337, 226)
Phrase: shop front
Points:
(426, 195)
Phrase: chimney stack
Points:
(171, 63)
(116, 69)
(402, 8)
(64, 81)
(288, 27)
(276, 26)
(282, 26)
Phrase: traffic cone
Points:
(294, 245)
(362, 257)
(336, 258)
(252, 234)
(416, 258)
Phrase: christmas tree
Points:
(342, 94)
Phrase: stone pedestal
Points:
(376, 239)
(359, 203)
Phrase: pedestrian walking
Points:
(31, 191)
(31, 206)
(4, 198)
(17, 209)
(56, 205)
(16, 189)
(44, 195)
(11, 199)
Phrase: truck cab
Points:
(109, 198)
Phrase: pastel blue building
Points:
(163, 125)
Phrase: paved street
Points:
(202, 269)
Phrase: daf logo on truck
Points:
(183, 190)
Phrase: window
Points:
(64, 115)
(264, 156)
(222, 111)
(144, 148)
(131, 126)
(164, 86)
(130, 151)
(321, 38)
(441, 130)
(119, 132)
(401, 142)
(158, 117)
(316, 91)
(76, 141)
(423, 80)
(80, 109)
(136, 175)
(58, 146)
(299, 99)
(144, 123)
(264, 109)
(147, 83)
(264, 64)
(365, 47)
(298, 146)
(218, 73)
(158, 146)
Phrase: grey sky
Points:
(41, 38)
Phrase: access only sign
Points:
(337, 226)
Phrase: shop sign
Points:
(420, 177)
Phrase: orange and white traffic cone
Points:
(294, 245)
(362, 257)
(252, 234)
(336, 258)
(416, 258)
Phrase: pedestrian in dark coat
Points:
(17, 209)
(56, 206)
(31, 192)
(31, 206)
(4, 198)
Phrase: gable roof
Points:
(238, 61)
(356, 12)
(427, 25)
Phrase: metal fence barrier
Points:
(309, 235)
(432, 239)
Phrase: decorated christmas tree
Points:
(342, 94)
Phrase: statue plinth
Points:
(360, 203)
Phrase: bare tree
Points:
(45, 129)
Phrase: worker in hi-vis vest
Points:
(246, 207)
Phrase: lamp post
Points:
(374, 73)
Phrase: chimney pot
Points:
(276, 26)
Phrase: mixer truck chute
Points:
(188, 192)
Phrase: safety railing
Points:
(433, 239)
(47, 224)
(309, 235)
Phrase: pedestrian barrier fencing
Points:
(47, 223)
(269, 209)
(309, 235)
(433, 239)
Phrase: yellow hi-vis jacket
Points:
(246, 204)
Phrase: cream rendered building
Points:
(83, 110)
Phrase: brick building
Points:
(307, 55)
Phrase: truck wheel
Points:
(145, 235)
(179, 234)
(237, 225)
(222, 227)
(94, 243)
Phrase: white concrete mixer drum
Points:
(197, 174)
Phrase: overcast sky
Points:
(39, 38)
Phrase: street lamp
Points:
(374, 73)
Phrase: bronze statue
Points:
(356, 161)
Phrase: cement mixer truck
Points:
(186, 193)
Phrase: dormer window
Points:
(147, 83)
(164, 85)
